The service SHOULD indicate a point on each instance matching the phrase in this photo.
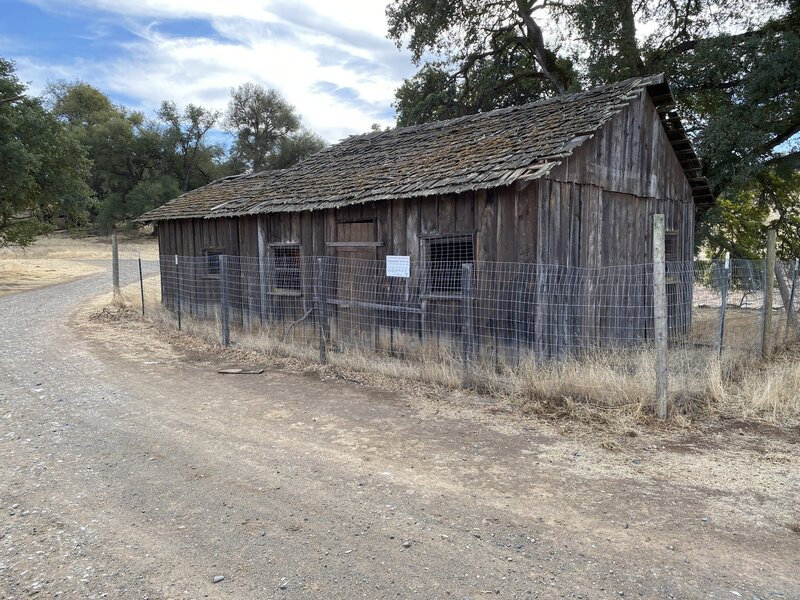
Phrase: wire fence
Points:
(474, 320)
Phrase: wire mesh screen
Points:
(448, 307)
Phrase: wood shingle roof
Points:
(481, 151)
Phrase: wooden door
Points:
(356, 282)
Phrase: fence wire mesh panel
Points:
(476, 318)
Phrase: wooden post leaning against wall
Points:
(660, 315)
(769, 287)
(115, 265)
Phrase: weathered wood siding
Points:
(593, 211)
(596, 210)
(189, 238)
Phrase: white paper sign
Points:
(398, 266)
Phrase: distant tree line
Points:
(73, 158)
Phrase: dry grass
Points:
(19, 275)
(56, 259)
(768, 391)
(62, 245)
(612, 387)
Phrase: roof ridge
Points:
(562, 99)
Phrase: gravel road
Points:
(129, 468)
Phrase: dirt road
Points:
(129, 468)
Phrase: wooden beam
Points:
(354, 244)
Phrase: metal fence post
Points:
(178, 291)
(466, 318)
(115, 265)
(769, 286)
(141, 281)
(224, 324)
(724, 283)
(660, 314)
(322, 301)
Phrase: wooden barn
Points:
(508, 209)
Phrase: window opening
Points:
(444, 258)
(286, 267)
(212, 261)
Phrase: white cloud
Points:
(291, 46)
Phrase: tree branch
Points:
(546, 59)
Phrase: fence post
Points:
(790, 309)
(769, 286)
(466, 319)
(141, 282)
(322, 305)
(262, 273)
(660, 314)
(115, 265)
(224, 324)
(178, 291)
(726, 273)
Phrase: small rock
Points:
(218, 578)
(407, 544)
(283, 585)
(626, 526)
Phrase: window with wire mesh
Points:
(444, 257)
(671, 247)
(212, 261)
(286, 267)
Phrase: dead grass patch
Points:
(63, 245)
(610, 387)
(22, 274)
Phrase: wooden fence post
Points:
(466, 319)
(178, 291)
(769, 286)
(790, 310)
(726, 273)
(141, 281)
(115, 265)
(322, 301)
(224, 323)
(660, 315)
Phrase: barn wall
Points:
(595, 210)
(188, 238)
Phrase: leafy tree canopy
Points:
(43, 166)
(739, 223)
(734, 66)
(267, 131)
(186, 131)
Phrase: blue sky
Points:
(330, 59)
